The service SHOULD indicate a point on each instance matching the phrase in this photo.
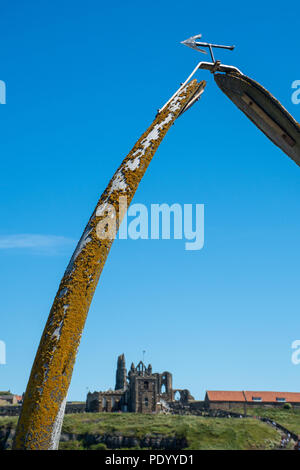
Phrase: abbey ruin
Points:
(139, 391)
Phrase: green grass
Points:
(290, 419)
(200, 432)
(6, 420)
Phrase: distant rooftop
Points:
(248, 396)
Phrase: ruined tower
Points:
(121, 373)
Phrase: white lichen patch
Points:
(154, 134)
(101, 209)
(175, 103)
(118, 183)
(57, 332)
(57, 425)
(146, 142)
(63, 292)
(133, 164)
(106, 208)
(66, 308)
(84, 240)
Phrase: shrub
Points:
(100, 446)
(287, 406)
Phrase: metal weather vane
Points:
(194, 44)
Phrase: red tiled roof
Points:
(216, 395)
(247, 396)
(272, 396)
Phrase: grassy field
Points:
(7, 420)
(200, 432)
(287, 418)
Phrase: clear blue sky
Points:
(84, 80)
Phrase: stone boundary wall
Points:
(14, 410)
(222, 405)
(75, 407)
(10, 410)
(193, 406)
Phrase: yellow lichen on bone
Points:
(43, 408)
